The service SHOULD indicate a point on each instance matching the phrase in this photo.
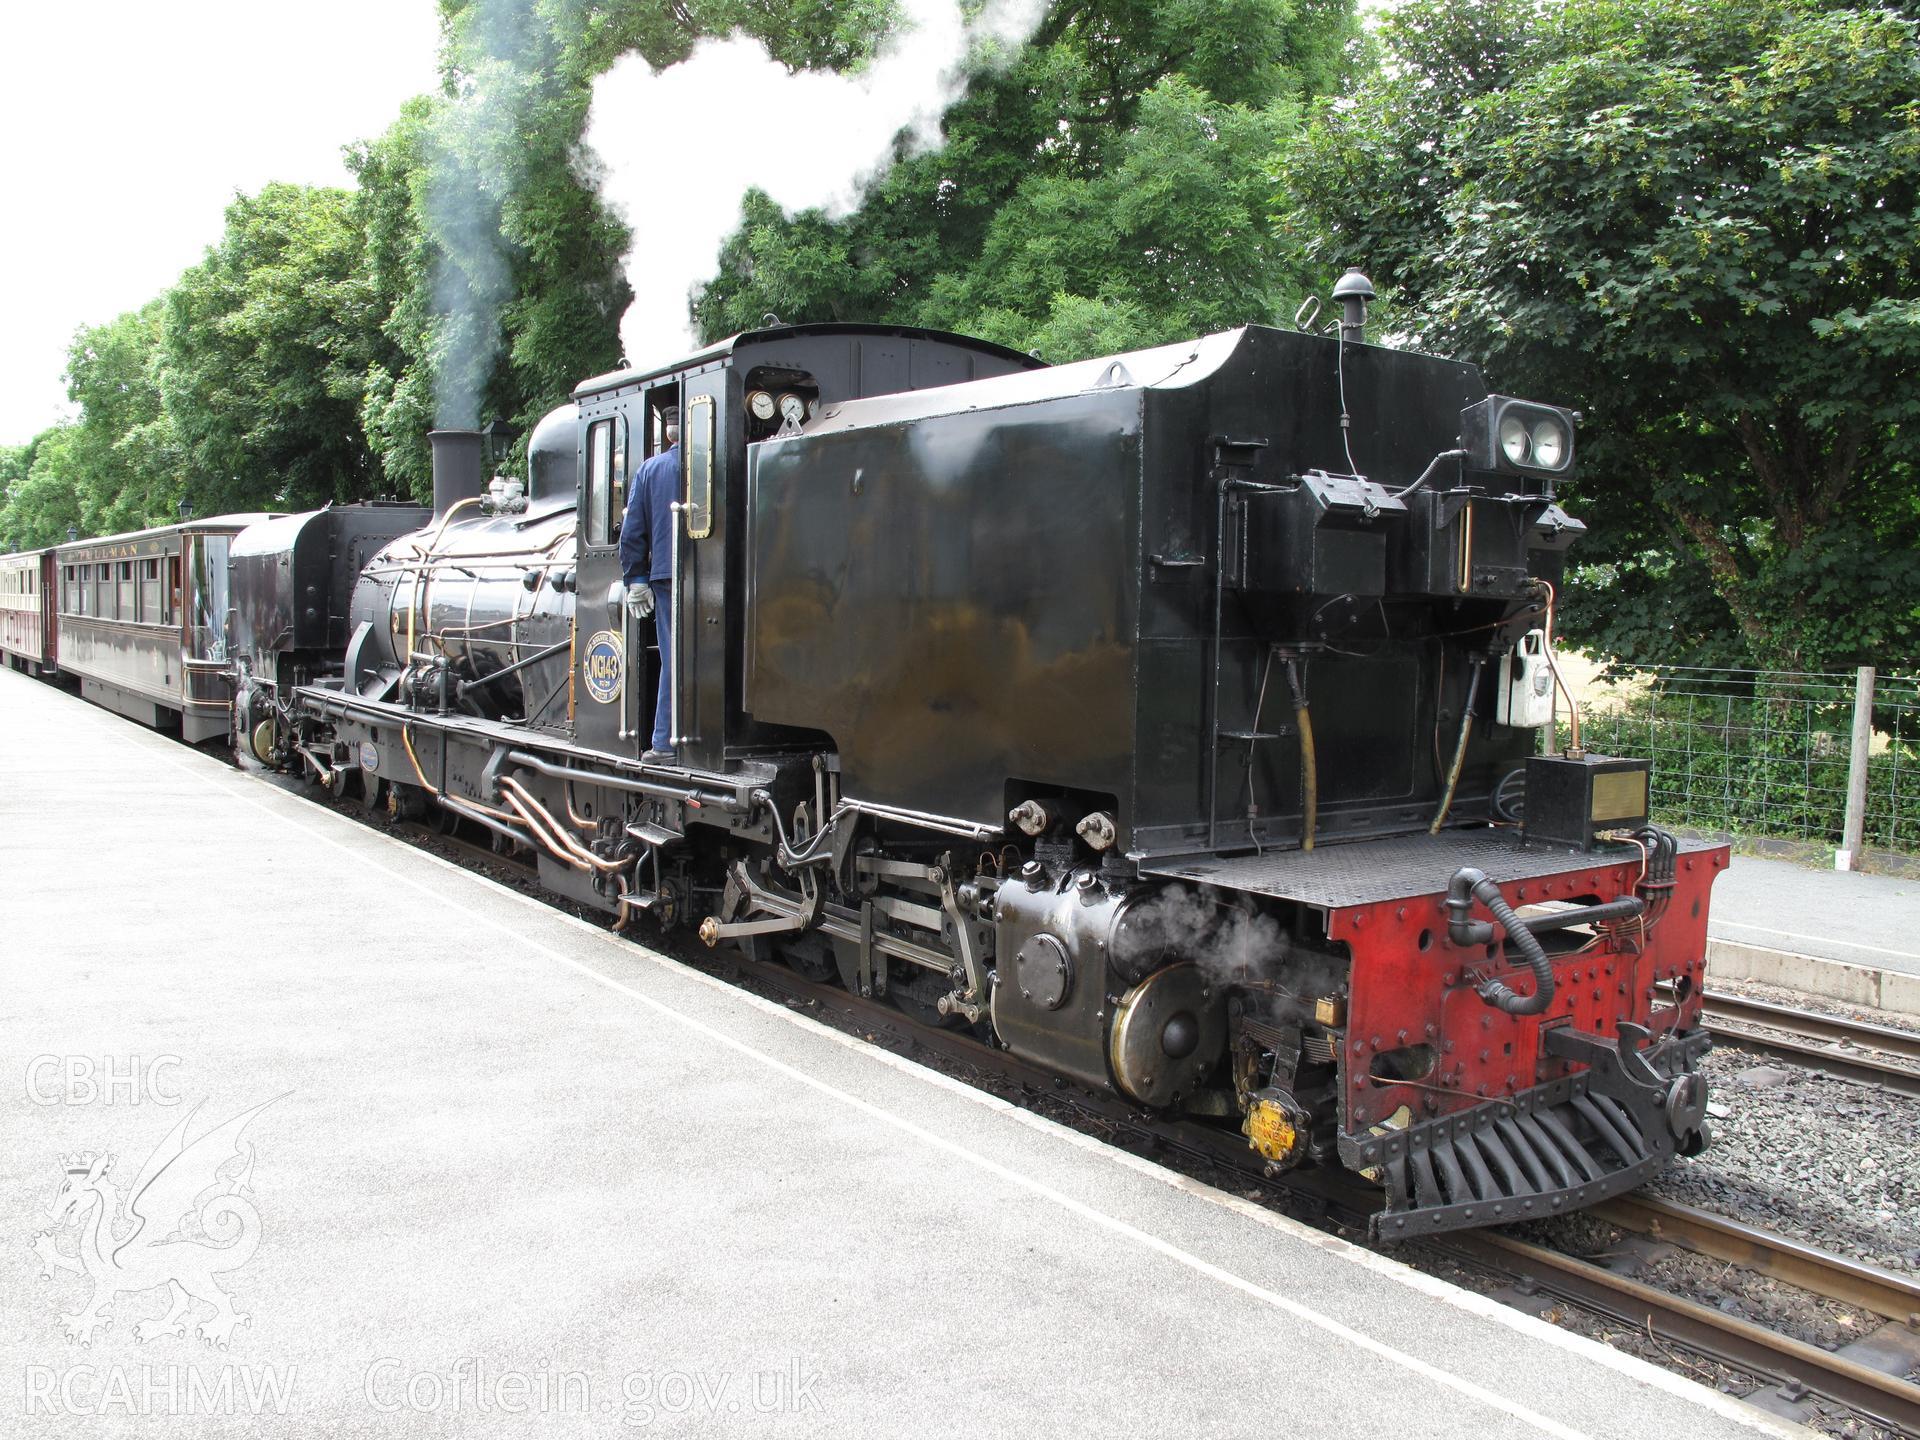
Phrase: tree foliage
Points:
(267, 343)
(1108, 188)
(1697, 223)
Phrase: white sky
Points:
(126, 126)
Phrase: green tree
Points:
(1698, 224)
(124, 459)
(267, 345)
(1106, 188)
(41, 498)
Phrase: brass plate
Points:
(1619, 795)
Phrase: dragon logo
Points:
(186, 1220)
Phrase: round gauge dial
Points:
(761, 404)
(793, 409)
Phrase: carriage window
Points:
(602, 528)
(150, 609)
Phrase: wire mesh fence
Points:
(1765, 753)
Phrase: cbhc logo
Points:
(81, 1079)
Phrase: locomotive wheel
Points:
(373, 793)
(810, 956)
(341, 783)
(406, 802)
(916, 993)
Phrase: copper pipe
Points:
(406, 738)
(553, 847)
(515, 791)
(580, 821)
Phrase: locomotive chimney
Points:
(459, 469)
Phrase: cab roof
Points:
(724, 349)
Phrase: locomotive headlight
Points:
(1549, 445)
(1515, 443)
(1502, 435)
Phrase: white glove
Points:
(640, 600)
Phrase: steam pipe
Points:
(1468, 885)
(1460, 749)
(1625, 908)
(681, 793)
(534, 659)
(1309, 763)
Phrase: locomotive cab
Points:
(731, 397)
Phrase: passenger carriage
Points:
(142, 622)
(27, 635)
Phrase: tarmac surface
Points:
(1852, 917)
(515, 1174)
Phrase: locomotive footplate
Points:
(1359, 872)
(1556, 1147)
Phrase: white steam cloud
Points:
(476, 162)
(816, 141)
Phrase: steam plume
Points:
(477, 160)
(820, 141)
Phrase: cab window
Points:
(600, 482)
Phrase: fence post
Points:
(1853, 836)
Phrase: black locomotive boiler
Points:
(1165, 718)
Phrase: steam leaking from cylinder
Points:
(824, 139)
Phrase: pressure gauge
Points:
(760, 403)
(793, 409)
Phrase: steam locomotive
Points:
(1174, 720)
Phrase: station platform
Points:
(1846, 936)
(516, 1174)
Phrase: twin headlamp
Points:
(1511, 436)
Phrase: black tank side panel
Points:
(953, 602)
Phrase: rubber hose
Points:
(1494, 992)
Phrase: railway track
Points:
(1794, 1369)
(1857, 1050)
(1852, 1282)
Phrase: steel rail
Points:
(1858, 1050)
(1836, 1277)
(1793, 1365)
